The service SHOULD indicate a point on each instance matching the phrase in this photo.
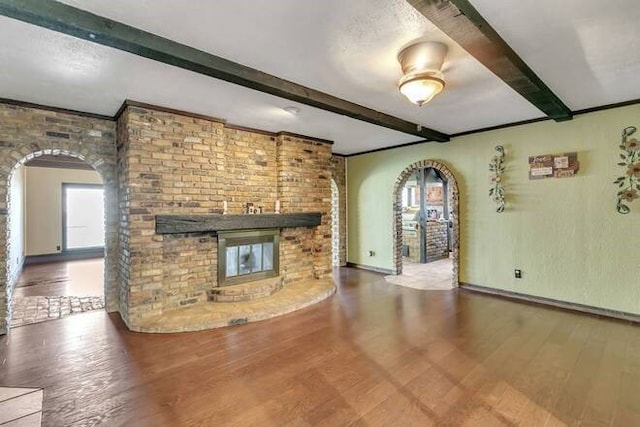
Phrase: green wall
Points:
(564, 234)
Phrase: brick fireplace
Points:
(174, 164)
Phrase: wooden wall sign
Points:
(553, 166)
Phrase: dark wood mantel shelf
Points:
(173, 224)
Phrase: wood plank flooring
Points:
(79, 278)
(374, 354)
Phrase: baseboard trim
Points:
(369, 268)
(596, 311)
(64, 256)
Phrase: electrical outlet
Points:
(518, 273)
(372, 253)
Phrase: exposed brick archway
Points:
(26, 133)
(335, 224)
(453, 196)
(108, 177)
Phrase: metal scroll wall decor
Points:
(629, 183)
(496, 167)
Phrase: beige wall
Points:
(44, 205)
(564, 234)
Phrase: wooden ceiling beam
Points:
(85, 25)
(464, 24)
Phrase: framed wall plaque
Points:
(553, 166)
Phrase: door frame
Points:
(453, 196)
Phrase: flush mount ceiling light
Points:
(421, 63)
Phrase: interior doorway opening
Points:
(425, 218)
(426, 227)
(57, 234)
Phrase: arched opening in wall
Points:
(335, 224)
(426, 227)
(56, 236)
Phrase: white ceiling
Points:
(50, 68)
(586, 51)
(346, 48)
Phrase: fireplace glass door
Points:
(245, 256)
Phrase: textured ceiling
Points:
(346, 48)
(586, 51)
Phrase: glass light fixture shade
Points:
(421, 88)
(421, 57)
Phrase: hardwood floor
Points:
(374, 354)
(78, 278)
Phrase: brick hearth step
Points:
(207, 315)
(246, 291)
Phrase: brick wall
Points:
(122, 149)
(172, 163)
(339, 175)
(29, 132)
(250, 169)
(304, 186)
(436, 241)
(437, 247)
(168, 164)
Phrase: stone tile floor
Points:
(35, 309)
(436, 275)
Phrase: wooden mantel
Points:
(175, 224)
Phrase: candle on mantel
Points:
(277, 206)
(224, 206)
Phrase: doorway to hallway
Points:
(425, 217)
(426, 223)
(57, 238)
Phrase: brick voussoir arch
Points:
(17, 157)
(452, 194)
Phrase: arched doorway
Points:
(107, 175)
(335, 224)
(451, 215)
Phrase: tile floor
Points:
(436, 275)
(27, 310)
(54, 290)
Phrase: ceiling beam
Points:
(79, 23)
(464, 24)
